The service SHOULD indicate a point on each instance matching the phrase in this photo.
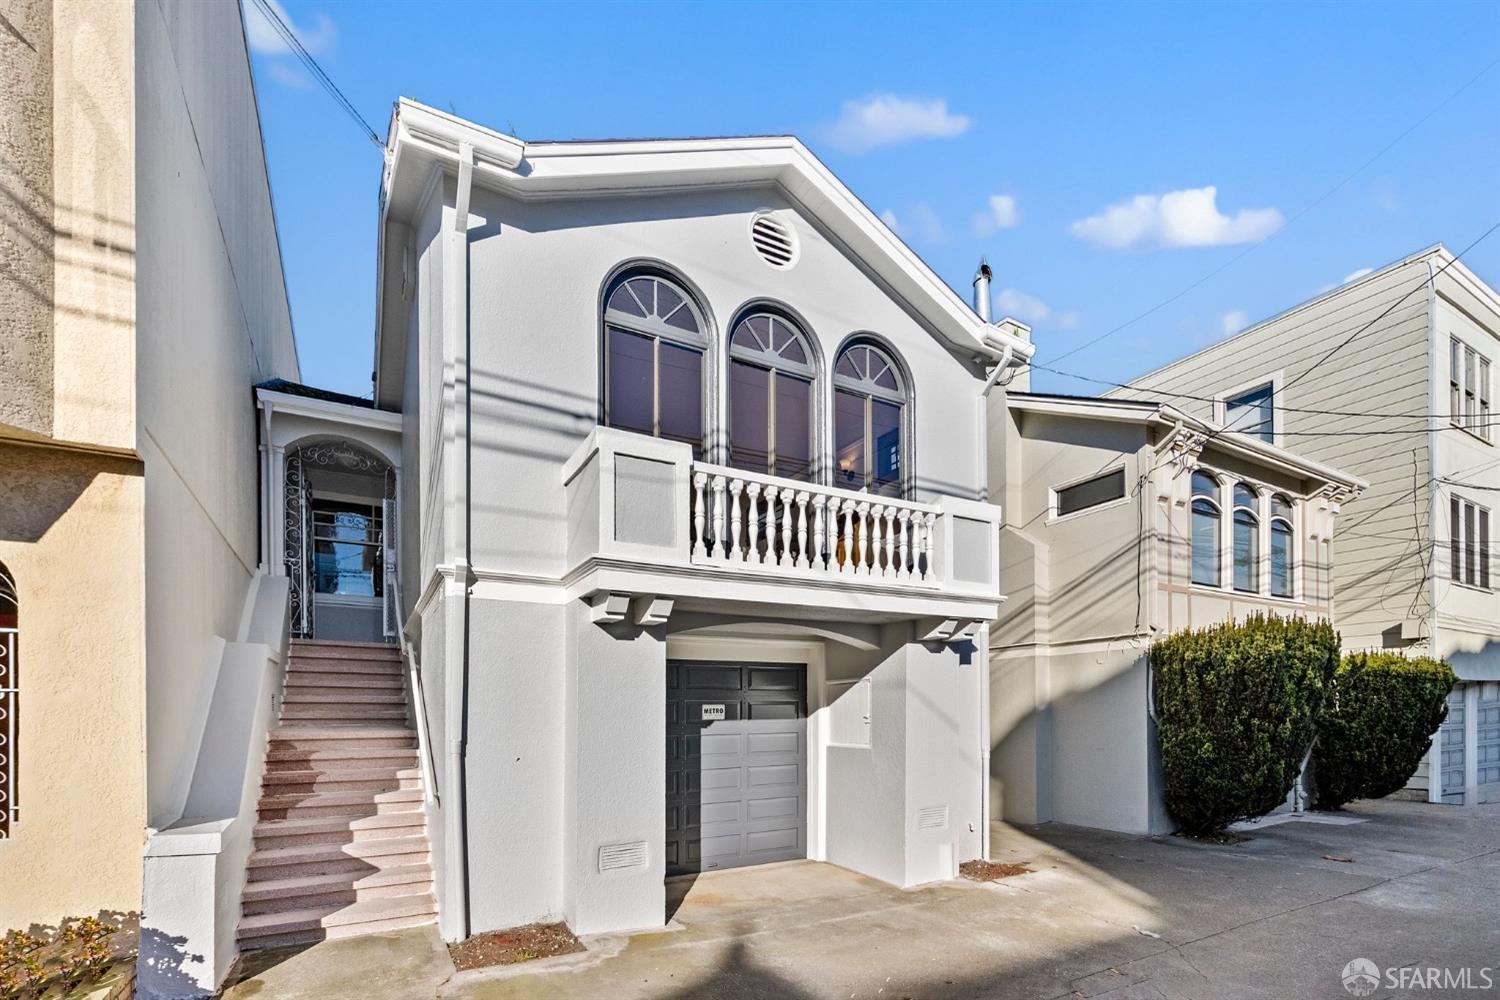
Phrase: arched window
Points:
(654, 342)
(1206, 530)
(771, 380)
(869, 416)
(10, 695)
(1246, 539)
(1281, 546)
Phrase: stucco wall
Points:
(515, 759)
(71, 535)
(537, 271)
(213, 321)
(26, 243)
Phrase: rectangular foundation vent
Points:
(622, 857)
(932, 818)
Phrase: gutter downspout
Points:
(457, 702)
(1435, 754)
(1001, 367)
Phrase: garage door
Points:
(1451, 744)
(1489, 742)
(736, 764)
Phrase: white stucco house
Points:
(673, 489)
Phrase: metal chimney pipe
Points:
(982, 290)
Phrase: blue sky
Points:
(1104, 157)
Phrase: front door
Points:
(736, 764)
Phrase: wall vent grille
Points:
(622, 857)
(774, 241)
(932, 818)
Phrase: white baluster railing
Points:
(752, 520)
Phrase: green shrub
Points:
(1378, 722)
(1236, 708)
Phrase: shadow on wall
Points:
(160, 971)
(39, 487)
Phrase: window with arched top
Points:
(10, 696)
(870, 398)
(1281, 546)
(1246, 538)
(655, 339)
(771, 379)
(1206, 521)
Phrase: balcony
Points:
(650, 529)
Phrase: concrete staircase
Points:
(341, 847)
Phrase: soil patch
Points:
(518, 944)
(991, 871)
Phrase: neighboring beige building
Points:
(1409, 405)
(1125, 521)
(141, 287)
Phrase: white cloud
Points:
(1233, 321)
(267, 41)
(1189, 218)
(888, 120)
(1356, 275)
(289, 74)
(1032, 310)
(1002, 213)
(919, 222)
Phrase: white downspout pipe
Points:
(983, 643)
(458, 693)
(1434, 502)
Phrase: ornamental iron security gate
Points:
(299, 540)
(10, 697)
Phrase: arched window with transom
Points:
(1282, 584)
(10, 696)
(1206, 521)
(870, 399)
(771, 379)
(655, 339)
(1246, 538)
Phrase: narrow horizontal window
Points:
(1092, 493)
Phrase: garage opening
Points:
(736, 764)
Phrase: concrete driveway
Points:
(1102, 915)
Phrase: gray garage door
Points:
(1451, 742)
(1489, 742)
(736, 764)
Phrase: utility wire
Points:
(1218, 431)
(295, 44)
(1351, 338)
(1270, 236)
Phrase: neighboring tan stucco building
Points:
(1408, 403)
(1127, 521)
(141, 285)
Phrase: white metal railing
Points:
(416, 699)
(745, 519)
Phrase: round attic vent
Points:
(774, 240)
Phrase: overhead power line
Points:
(1218, 431)
(1306, 209)
(324, 80)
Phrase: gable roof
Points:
(423, 138)
(1168, 417)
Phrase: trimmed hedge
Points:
(1236, 708)
(1381, 713)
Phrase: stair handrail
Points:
(414, 681)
